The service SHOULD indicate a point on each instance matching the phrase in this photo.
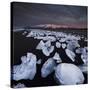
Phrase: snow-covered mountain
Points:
(56, 26)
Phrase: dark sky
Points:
(26, 14)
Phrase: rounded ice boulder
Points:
(64, 45)
(58, 44)
(68, 74)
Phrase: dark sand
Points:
(21, 45)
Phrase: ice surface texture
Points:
(48, 67)
(69, 74)
(27, 69)
(46, 48)
(19, 85)
(70, 54)
(58, 44)
(57, 58)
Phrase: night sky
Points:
(27, 14)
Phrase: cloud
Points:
(32, 14)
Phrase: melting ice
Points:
(68, 74)
(48, 67)
(27, 69)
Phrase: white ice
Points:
(19, 85)
(72, 45)
(58, 44)
(48, 67)
(69, 74)
(64, 45)
(39, 61)
(83, 68)
(40, 45)
(52, 35)
(57, 58)
(27, 69)
(70, 54)
(84, 54)
(46, 47)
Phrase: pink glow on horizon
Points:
(78, 25)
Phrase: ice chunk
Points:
(57, 58)
(50, 38)
(84, 54)
(19, 85)
(48, 67)
(62, 40)
(68, 74)
(86, 48)
(58, 44)
(83, 68)
(63, 45)
(82, 50)
(48, 43)
(84, 58)
(46, 38)
(70, 54)
(24, 59)
(27, 69)
(39, 61)
(40, 45)
(79, 50)
(72, 45)
(31, 34)
(24, 33)
(47, 50)
(86, 40)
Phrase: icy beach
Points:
(44, 57)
